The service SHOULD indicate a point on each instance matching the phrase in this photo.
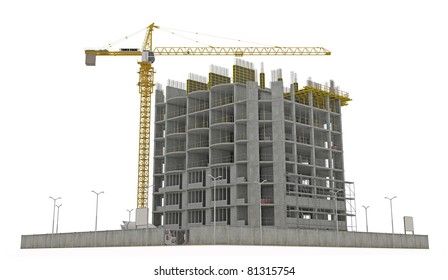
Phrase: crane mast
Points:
(146, 83)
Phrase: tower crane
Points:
(146, 83)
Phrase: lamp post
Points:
(96, 215)
(261, 221)
(129, 220)
(214, 206)
(392, 218)
(391, 213)
(54, 210)
(335, 193)
(57, 220)
(367, 223)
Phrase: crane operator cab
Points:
(148, 56)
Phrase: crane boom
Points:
(231, 51)
(146, 83)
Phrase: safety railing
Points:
(226, 159)
(158, 170)
(265, 136)
(178, 148)
(199, 107)
(337, 165)
(224, 119)
(322, 144)
(241, 116)
(180, 166)
(267, 221)
(176, 113)
(289, 157)
(223, 139)
(289, 136)
(303, 120)
(265, 115)
(198, 163)
(335, 127)
(241, 156)
(266, 157)
(202, 124)
(303, 159)
(223, 101)
(160, 117)
(303, 139)
(267, 200)
(197, 144)
(267, 177)
(320, 124)
(176, 130)
(322, 162)
(241, 136)
(288, 116)
(336, 147)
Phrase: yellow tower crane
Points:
(146, 83)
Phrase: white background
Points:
(66, 129)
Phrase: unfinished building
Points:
(233, 150)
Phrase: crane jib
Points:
(230, 51)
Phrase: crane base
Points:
(141, 216)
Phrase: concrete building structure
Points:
(276, 153)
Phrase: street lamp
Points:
(214, 206)
(54, 210)
(335, 193)
(129, 221)
(261, 223)
(96, 215)
(57, 220)
(391, 213)
(367, 224)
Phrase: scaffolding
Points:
(315, 204)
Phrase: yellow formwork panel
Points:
(319, 101)
(295, 87)
(216, 79)
(262, 81)
(193, 85)
(243, 74)
(343, 97)
(301, 96)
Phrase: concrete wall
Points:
(110, 238)
(226, 235)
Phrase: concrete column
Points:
(253, 167)
(184, 202)
(313, 150)
(278, 148)
(342, 138)
(233, 216)
(208, 199)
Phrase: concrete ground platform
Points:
(228, 235)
